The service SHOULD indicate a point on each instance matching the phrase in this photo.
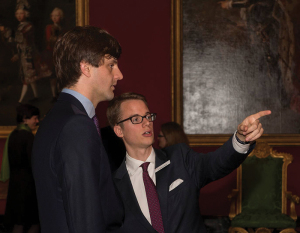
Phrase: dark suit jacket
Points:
(74, 185)
(179, 207)
(114, 147)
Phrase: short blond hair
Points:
(113, 112)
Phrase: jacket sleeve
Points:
(77, 165)
(205, 168)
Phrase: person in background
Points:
(21, 207)
(171, 133)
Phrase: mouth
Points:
(147, 134)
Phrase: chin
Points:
(109, 97)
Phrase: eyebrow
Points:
(113, 59)
(133, 115)
(138, 115)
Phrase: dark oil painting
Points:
(28, 32)
(240, 57)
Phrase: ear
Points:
(85, 69)
(118, 131)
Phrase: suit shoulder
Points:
(79, 124)
(177, 148)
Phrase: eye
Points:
(148, 117)
(135, 119)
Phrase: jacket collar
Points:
(76, 104)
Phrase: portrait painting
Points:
(236, 58)
(28, 32)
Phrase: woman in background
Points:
(21, 206)
(171, 133)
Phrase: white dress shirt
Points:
(241, 148)
(136, 176)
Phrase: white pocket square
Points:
(175, 184)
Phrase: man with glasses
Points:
(160, 189)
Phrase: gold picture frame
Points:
(177, 90)
(82, 18)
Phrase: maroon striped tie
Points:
(153, 202)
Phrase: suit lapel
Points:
(125, 188)
(162, 185)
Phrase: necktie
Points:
(96, 122)
(152, 198)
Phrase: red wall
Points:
(144, 33)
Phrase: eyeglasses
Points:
(139, 119)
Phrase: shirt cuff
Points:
(240, 148)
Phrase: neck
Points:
(141, 154)
(85, 91)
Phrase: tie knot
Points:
(144, 166)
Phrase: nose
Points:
(146, 122)
(118, 74)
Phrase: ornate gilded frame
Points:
(177, 92)
(82, 18)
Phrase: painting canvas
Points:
(28, 31)
(237, 58)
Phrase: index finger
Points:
(261, 114)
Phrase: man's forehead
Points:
(134, 106)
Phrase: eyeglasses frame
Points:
(130, 118)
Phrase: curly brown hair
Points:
(82, 44)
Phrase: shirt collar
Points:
(87, 104)
(133, 164)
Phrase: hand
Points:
(250, 129)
